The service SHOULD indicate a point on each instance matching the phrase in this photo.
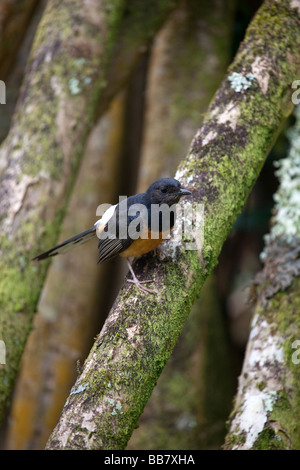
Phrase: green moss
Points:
(124, 387)
(261, 385)
(283, 311)
(268, 440)
(282, 429)
(20, 285)
(233, 440)
(258, 123)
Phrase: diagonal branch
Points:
(223, 162)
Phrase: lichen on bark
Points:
(268, 417)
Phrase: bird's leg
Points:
(138, 283)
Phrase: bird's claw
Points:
(141, 287)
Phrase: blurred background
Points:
(142, 136)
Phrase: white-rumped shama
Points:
(113, 229)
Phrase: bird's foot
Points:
(139, 285)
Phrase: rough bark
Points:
(267, 406)
(224, 160)
(65, 80)
(192, 399)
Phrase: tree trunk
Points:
(223, 163)
(65, 80)
(266, 411)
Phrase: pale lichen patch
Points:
(133, 332)
(240, 82)
(296, 4)
(286, 220)
(180, 173)
(261, 68)
(264, 358)
(230, 115)
(210, 136)
(88, 421)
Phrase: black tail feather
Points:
(68, 244)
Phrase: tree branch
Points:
(223, 163)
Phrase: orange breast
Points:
(144, 245)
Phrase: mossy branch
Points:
(224, 160)
(67, 74)
(266, 412)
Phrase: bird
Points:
(131, 228)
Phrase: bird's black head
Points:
(166, 191)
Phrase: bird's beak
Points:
(184, 192)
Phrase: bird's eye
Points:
(164, 190)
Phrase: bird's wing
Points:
(109, 248)
(113, 235)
